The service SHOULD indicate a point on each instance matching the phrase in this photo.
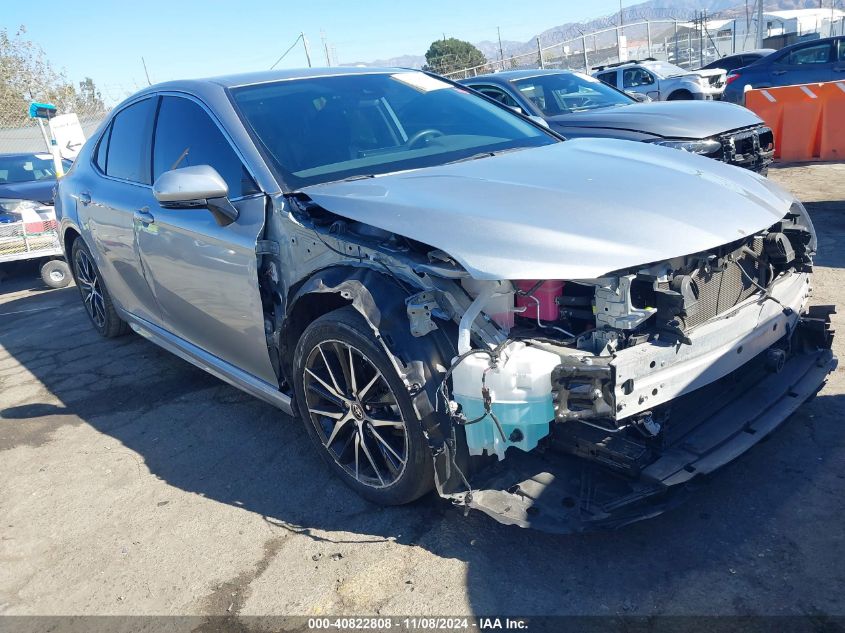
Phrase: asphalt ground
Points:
(133, 483)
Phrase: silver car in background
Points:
(662, 81)
(449, 295)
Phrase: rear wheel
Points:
(357, 410)
(95, 296)
(55, 273)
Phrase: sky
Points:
(191, 38)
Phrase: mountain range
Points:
(649, 10)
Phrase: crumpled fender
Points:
(421, 362)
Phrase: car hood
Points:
(38, 190)
(669, 119)
(572, 210)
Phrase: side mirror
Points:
(538, 119)
(517, 109)
(195, 187)
(638, 96)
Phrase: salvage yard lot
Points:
(134, 483)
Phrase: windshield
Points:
(665, 69)
(562, 93)
(27, 168)
(323, 129)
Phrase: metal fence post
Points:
(540, 54)
(648, 33)
(584, 49)
(676, 42)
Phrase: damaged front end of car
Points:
(572, 404)
(627, 388)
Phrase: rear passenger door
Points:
(120, 185)
(204, 275)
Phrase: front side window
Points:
(562, 93)
(816, 54)
(186, 136)
(26, 168)
(322, 129)
(636, 77)
(129, 144)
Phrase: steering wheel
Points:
(419, 136)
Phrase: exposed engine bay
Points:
(612, 371)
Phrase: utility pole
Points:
(306, 47)
(759, 23)
(540, 54)
(326, 48)
(501, 53)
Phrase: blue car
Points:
(802, 63)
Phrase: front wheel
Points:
(358, 412)
(680, 95)
(95, 295)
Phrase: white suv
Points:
(662, 81)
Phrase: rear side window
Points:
(129, 143)
(499, 95)
(841, 51)
(186, 136)
(816, 54)
(608, 78)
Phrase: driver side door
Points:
(204, 276)
(641, 81)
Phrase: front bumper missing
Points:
(711, 427)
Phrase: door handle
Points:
(778, 72)
(839, 69)
(85, 198)
(144, 216)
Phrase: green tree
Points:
(450, 55)
(26, 75)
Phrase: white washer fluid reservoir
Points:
(521, 392)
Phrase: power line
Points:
(298, 37)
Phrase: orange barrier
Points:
(808, 120)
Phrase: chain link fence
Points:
(21, 134)
(689, 45)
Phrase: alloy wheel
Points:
(89, 286)
(355, 413)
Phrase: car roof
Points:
(266, 76)
(510, 75)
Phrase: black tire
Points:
(383, 407)
(55, 273)
(101, 312)
(680, 95)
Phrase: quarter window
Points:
(102, 148)
(129, 143)
(186, 136)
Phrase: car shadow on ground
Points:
(771, 510)
(829, 220)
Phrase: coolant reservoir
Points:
(521, 391)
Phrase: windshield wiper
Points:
(487, 154)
